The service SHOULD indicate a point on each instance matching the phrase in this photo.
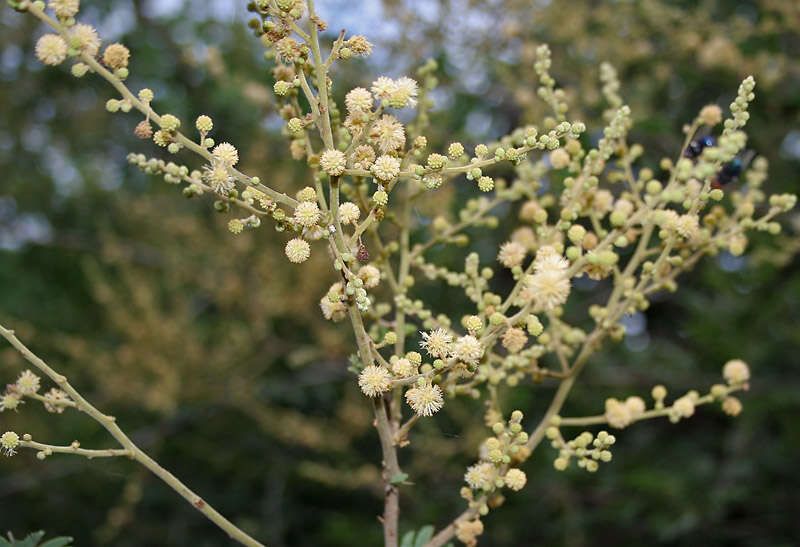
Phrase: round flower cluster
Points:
(28, 383)
(514, 339)
(51, 49)
(403, 368)
(306, 213)
(116, 56)
(621, 414)
(348, 212)
(736, 372)
(331, 304)
(64, 9)
(358, 100)
(218, 178)
(374, 380)
(386, 168)
(388, 134)
(84, 37)
(549, 286)
(226, 154)
(203, 123)
(425, 400)
(467, 349)
(511, 254)
(297, 250)
(333, 162)
(481, 476)
(515, 479)
(369, 275)
(438, 343)
(397, 93)
(9, 441)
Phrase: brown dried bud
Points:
(143, 130)
(362, 254)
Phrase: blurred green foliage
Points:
(214, 354)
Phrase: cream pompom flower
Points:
(358, 100)
(297, 250)
(425, 400)
(306, 213)
(736, 371)
(511, 254)
(348, 212)
(28, 383)
(438, 343)
(226, 154)
(467, 349)
(64, 8)
(374, 380)
(331, 305)
(388, 133)
(515, 479)
(370, 275)
(85, 38)
(386, 168)
(480, 476)
(51, 49)
(333, 162)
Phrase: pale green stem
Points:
(131, 450)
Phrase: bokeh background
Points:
(211, 349)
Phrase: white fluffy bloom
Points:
(28, 383)
(548, 259)
(425, 400)
(370, 275)
(404, 93)
(511, 254)
(64, 8)
(218, 177)
(388, 133)
(515, 479)
(636, 406)
(85, 38)
(306, 213)
(684, 407)
(51, 49)
(383, 87)
(437, 343)
(358, 100)
(403, 368)
(386, 168)
(467, 349)
(332, 307)
(297, 250)
(226, 154)
(348, 212)
(480, 476)
(687, 226)
(374, 380)
(617, 414)
(547, 288)
(333, 162)
(736, 371)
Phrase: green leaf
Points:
(32, 540)
(399, 478)
(424, 535)
(62, 541)
(408, 539)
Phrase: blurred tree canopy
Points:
(215, 354)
